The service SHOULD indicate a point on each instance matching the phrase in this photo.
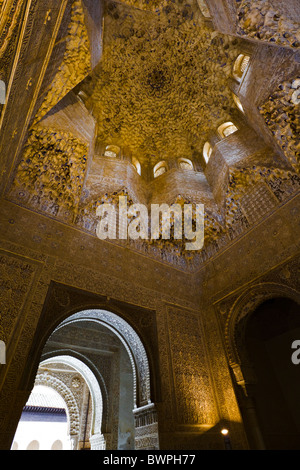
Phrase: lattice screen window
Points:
(258, 202)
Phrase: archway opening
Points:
(275, 386)
(98, 363)
(44, 422)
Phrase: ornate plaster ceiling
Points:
(161, 84)
(159, 90)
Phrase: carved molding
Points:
(244, 305)
(133, 345)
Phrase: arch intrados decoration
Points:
(84, 360)
(244, 306)
(48, 380)
(132, 343)
(90, 380)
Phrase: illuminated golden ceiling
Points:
(160, 88)
(161, 84)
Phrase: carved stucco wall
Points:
(269, 21)
(146, 297)
(73, 407)
(168, 319)
(281, 114)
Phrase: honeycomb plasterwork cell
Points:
(51, 173)
(282, 116)
(260, 20)
(76, 62)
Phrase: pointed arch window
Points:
(240, 65)
(137, 165)
(238, 102)
(159, 169)
(207, 151)
(185, 164)
(112, 151)
(227, 129)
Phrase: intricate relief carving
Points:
(16, 277)
(260, 20)
(146, 428)
(51, 173)
(282, 116)
(76, 62)
(49, 380)
(270, 185)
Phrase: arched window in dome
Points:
(240, 66)
(159, 169)
(207, 150)
(238, 102)
(112, 151)
(226, 129)
(185, 164)
(137, 165)
(204, 8)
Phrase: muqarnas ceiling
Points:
(161, 84)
